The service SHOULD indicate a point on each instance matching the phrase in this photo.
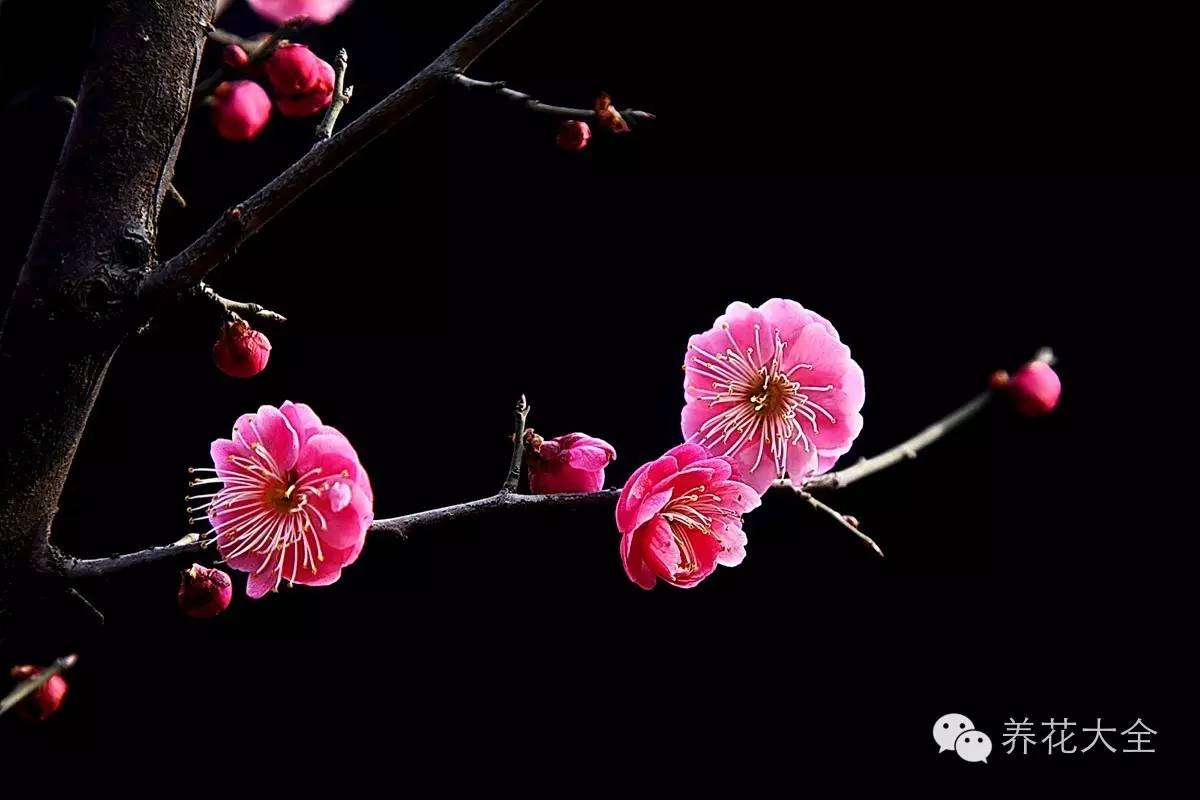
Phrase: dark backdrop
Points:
(952, 190)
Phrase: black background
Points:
(952, 189)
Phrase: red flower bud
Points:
(44, 701)
(241, 351)
(1035, 389)
(240, 110)
(293, 69)
(998, 379)
(235, 57)
(313, 100)
(608, 117)
(204, 592)
(573, 136)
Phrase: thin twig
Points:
(237, 308)
(909, 448)
(905, 450)
(341, 96)
(190, 547)
(527, 102)
(32, 684)
(520, 414)
(837, 515)
(219, 242)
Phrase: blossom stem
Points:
(520, 414)
(32, 684)
(238, 308)
(257, 52)
(840, 517)
(501, 90)
(341, 96)
(909, 448)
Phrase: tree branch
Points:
(500, 89)
(219, 243)
(191, 546)
(909, 448)
(238, 308)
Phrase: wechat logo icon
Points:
(956, 732)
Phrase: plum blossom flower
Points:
(319, 12)
(774, 389)
(571, 463)
(681, 515)
(294, 504)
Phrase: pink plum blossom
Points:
(774, 389)
(571, 463)
(295, 503)
(681, 515)
(319, 12)
(240, 110)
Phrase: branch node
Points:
(341, 96)
(520, 414)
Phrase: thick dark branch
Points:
(190, 547)
(219, 243)
(500, 90)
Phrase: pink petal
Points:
(261, 583)
(588, 457)
(685, 454)
(345, 527)
(788, 317)
(331, 453)
(637, 504)
(272, 430)
(303, 419)
(635, 566)
(222, 450)
(657, 546)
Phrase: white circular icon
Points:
(947, 729)
(972, 745)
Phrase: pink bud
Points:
(293, 69)
(573, 135)
(45, 700)
(311, 101)
(204, 592)
(240, 110)
(1035, 389)
(235, 57)
(571, 463)
(240, 351)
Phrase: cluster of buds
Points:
(302, 84)
(574, 135)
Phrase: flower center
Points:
(692, 513)
(765, 402)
